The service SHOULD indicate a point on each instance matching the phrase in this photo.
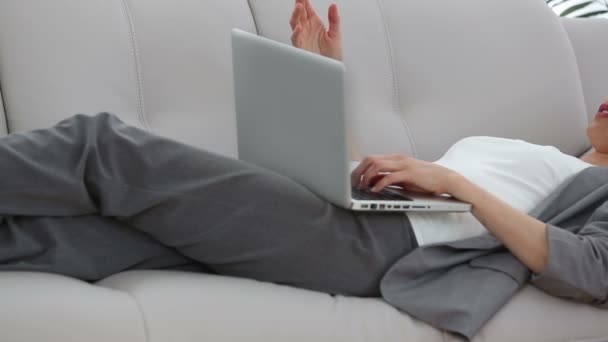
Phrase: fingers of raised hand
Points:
(295, 36)
(299, 15)
(334, 21)
(295, 16)
(310, 11)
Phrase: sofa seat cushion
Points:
(200, 307)
(48, 307)
(533, 315)
(183, 306)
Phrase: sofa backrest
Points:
(162, 65)
(422, 74)
(589, 39)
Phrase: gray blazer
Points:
(458, 286)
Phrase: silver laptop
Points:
(291, 119)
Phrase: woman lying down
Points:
(93, 196)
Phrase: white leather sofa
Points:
(422, 74)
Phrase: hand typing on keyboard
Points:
(379, 172)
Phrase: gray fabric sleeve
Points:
(577, 268)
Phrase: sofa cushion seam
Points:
(255, 23)
(4, 110)
(141, 315)
(136, 58)
(396, 99)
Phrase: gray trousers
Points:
(93, 196)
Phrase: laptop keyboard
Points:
(367, 195)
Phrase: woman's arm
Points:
(523, 235)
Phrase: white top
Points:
(517, 172)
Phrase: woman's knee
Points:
(83, 120)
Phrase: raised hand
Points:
(309, 32)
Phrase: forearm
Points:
(523, 235)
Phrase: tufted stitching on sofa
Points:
(141, 314)
(391, 56)
(136, 56)
(255, 22)
(3, 109)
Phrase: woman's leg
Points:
(87, 247)
(236, 218)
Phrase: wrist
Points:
(459, 186)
